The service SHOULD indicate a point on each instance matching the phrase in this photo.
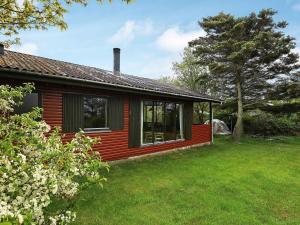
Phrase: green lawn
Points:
(254, 182)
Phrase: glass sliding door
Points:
(148, 122)
(170, 121)
(158, 122)
(162, 121)
(179, 121)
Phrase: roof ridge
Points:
(76, 64)
(56, 60)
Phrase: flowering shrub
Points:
(36, 166)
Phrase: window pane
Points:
(201, 112)
(30, 101)
(148, 122)
(179, 122)
(162, 121)
(158, 121)
(170, 122)
(95, 112)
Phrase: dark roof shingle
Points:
(19, 62)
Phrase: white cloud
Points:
(297, 7)
(28, 48)
(130, 30)
(175, 40)
(157, 67)
(151, 65)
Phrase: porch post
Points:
(211, 122)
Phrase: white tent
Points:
(219, 127)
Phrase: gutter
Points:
(102, 83)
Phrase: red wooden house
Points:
(132, 115)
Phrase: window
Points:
(200, 112)
(92, 113)
(161, 121)
(158, 122)
(95, 112)
(179, 121)
(170, 121)
(29, 102)
(148, 122)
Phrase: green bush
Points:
(266, 124)
(37, 167)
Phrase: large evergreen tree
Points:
(246, 53)
(286, 89)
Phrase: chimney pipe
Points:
(1, 49)
(117, 52)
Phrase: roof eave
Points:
(13, 73)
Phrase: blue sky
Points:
(151, 34)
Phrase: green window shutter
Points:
(72, 113)
(116, 113)
(188, 120)
(134, 123)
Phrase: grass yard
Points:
(254, 182)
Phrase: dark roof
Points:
(24, 63)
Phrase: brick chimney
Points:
(117, 53)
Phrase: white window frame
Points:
(161, 142)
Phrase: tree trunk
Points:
(238, 128)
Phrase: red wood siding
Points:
(52, 107)
(114, 145)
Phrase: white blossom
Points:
(20, 218)
(33, 168)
